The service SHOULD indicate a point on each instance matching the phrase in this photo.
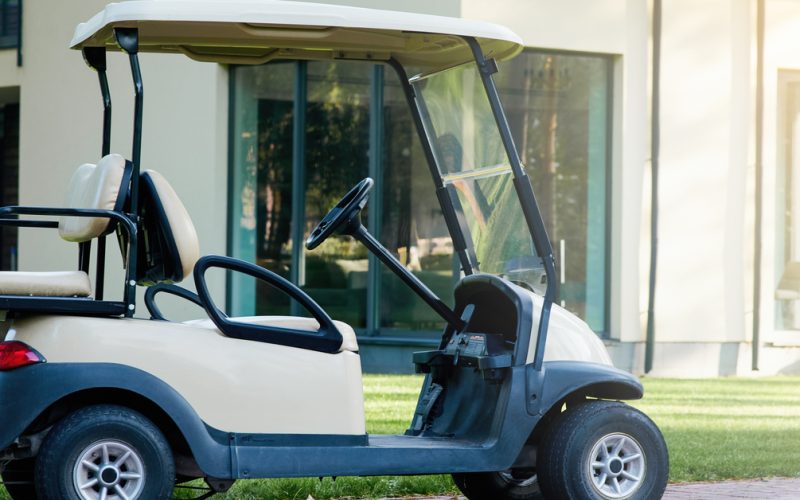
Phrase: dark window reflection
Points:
(558, 107)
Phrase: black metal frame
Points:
(71, 305)
(126, 224)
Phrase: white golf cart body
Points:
(253, 408)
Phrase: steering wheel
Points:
(344, 211)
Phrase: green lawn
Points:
(715, 429)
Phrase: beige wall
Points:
(706, 97)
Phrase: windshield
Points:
(474, 166)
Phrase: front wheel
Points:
(105, 452)
(603, 450)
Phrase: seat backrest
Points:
(168, 247)
(104, 186)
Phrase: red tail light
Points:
(16, 354)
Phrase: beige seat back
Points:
(101, 187)
(168, 244)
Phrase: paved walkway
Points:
(762, 489)
(756, 489)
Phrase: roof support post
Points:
(128, 40)
(95, 57)
(522, 184)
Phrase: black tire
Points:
(499, 485)
(603, 450)
(19, 471)
(103, 435)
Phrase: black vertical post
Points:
(298, 269)
(128, 40)
(95, 57)
(374, 216)
(533, 217)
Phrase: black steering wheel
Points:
(344, 211)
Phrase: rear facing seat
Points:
(103, 187)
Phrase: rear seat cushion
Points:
(45, 284)
(96, 187)
(349, 342)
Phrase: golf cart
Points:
(519, 400)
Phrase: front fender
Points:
(25, 393)
(559, 379)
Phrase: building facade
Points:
(254, 149)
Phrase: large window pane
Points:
(557, 105)
(336, 147)
(261, 180)
(412, 225)
(787, 207)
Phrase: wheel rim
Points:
(616, 466)
(108, 469)
(522, 482)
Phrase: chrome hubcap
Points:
(108, 469)
(616, 466)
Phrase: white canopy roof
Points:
(257, 31)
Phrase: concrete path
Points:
(762, 489)
(755, 489)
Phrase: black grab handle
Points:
(327, 339)
(152, 291)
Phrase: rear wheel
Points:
(105, 452)
(18, 479)
(603, 450)
(512, 485)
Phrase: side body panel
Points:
(233, 385)
(27, 392)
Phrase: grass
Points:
(716, 429)
(728, 428)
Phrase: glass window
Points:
(787, 211)
(558, 107)
(465, 137)
(9, 181)
(412, 224)
(336, 147)
(267, 168)
(9, 23)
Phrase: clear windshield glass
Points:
(476, 170)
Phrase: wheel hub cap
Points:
(616, 466)
(108, 469)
